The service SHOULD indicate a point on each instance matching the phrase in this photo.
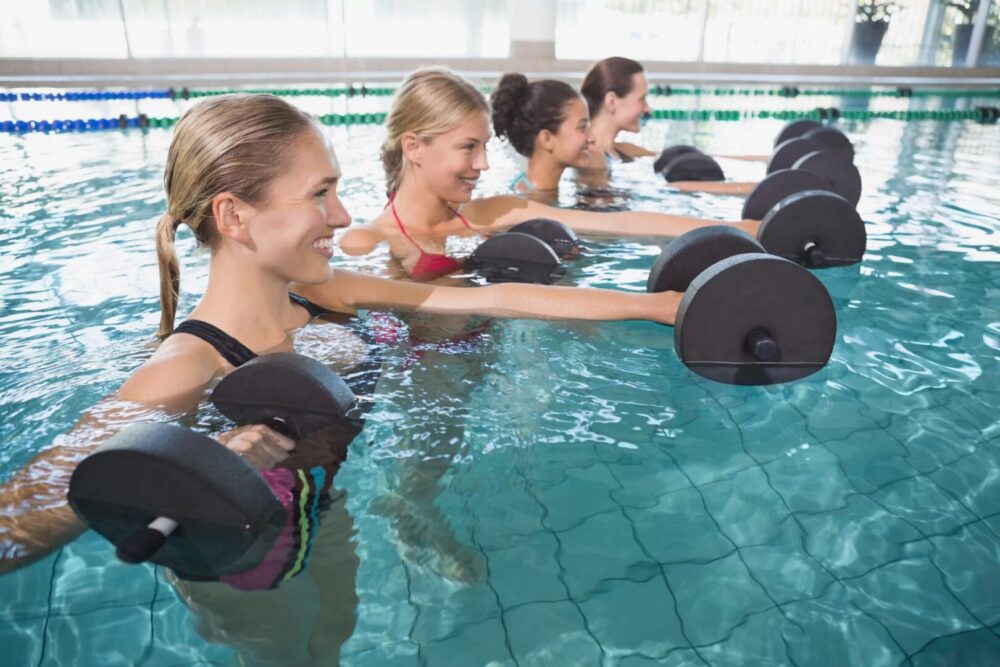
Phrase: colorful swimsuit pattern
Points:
(304, 492)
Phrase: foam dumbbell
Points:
(166, 494)
(748, 318)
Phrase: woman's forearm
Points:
(554, 303)
(32, 536)
(352, 290)
(716, 187)
(640, 223)
(35, 518)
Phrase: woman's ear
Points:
(413, 148)
(610, 101)
(545, 140)
(231, 216)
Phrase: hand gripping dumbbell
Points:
(746, 317)
(166, 494)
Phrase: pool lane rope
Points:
(364, 91)
(980, 114)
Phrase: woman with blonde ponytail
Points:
(434, 153)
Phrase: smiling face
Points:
(292, 232)
(629, 109)
(450, 163)
(570, 144)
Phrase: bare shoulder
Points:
(180, 368)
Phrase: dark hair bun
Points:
(509, 96)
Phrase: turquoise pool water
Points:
(566, 493)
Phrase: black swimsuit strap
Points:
(231, 349)
(314, 310)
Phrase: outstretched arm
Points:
(747, 158)
(505, 211)
(348, 291)
(36, 519)
(737, 188)
(631, 150)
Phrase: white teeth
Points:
(323, 244)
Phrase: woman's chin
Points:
(316, 276)
(461, 196)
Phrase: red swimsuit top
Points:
(429, 265)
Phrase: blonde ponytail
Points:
(170, 273)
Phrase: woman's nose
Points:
(337, 215)
(481, 163)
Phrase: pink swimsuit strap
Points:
(391, 204)
(429, 265)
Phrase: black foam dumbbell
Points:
(671, 152)
(746, 318)
(687, 163)
(812, 140)
(795, 128)
(530, 252)
(166, 494)
(806, 219)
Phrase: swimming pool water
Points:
(568, 493)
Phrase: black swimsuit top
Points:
(232, 350)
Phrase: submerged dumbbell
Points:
(166, 494)
(687, 163)
(804, 219)
(530, 252)
(746, 317)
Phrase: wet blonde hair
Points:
(230, 143)
(429, 103)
